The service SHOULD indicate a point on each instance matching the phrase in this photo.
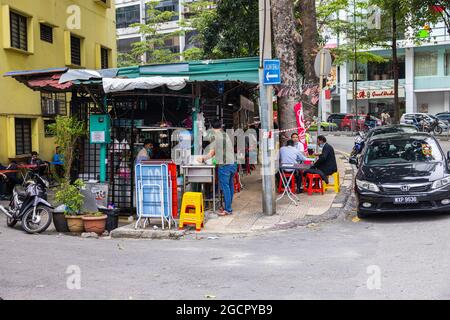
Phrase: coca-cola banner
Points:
(298, 108)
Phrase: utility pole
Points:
(266, 110)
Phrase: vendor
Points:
(225, 157)
(146, 152)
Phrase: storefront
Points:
(151, 102)
(375, 101)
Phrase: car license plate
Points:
(404, 200)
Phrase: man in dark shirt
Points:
(326, 163)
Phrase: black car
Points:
(443, 116)
(336, 118)
(402, 173)
(392, 128)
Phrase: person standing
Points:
(58, 162)
(326, 163)
(223, 151)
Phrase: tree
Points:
(287, 41)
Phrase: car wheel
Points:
(322, 128)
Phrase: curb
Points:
(337, 210)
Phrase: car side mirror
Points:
(448, 155)
(354, 160)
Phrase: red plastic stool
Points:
(237, 182)
(313, 184)
(292, 186)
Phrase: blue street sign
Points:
(272, 74)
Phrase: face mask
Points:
(150, 151)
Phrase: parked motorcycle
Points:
(433, 127)
(29, 205)
(359, 144)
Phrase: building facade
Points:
(424, 79)
(43, 34)
(130, 12)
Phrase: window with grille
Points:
(23, 136)
(104, 53)
(19, 32)
(75, 50)
(425, 63)
(46, 33)
(53, 104)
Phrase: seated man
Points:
(289, 154)
(326, 163)
(41, 167)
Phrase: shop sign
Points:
(376, 94)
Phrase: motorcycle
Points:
(29, 205)
(434, 127)
(359, 144)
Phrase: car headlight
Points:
(365, 185)
(440, 183)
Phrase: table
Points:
(287, 181)
(201, 174)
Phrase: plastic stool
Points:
(292, 186)
(313, 184)
(336, 186)
(192, 210)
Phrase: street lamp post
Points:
(266, 110)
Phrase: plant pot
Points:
(112, 222)
(75, 224)
(60, 222)
(95, 224)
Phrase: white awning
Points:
(118, 85)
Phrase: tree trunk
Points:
(395, 65)
(309, 46)
(286, 41)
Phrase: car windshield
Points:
(394, 130)
(391, 151)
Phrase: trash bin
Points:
(112, 222)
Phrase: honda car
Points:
(402, 172)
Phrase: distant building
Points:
(135, 11)
(42, 34)
(424, 78)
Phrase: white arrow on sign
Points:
(270, 76)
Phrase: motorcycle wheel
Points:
(42, 221)
(10, 222)
(438, 130)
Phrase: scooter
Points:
(29, 205)
(359, 144)
(433, 127)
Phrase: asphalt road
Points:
(388, 257)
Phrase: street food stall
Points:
(154, 102)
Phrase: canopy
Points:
(118, 85)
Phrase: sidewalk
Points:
(248, 217)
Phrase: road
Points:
(388, 257)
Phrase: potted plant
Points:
(95, 222)
(67, 131)
(70, 195)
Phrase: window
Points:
(75, 50)
(46, 33)
(447, 63)
(425, 63)
(125, 45)
(19, 32)
(104, 56)
(53, 104)
(126, 16)
(165, 6)
(23, 136)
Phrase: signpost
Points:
(322, 67)
(272, 72)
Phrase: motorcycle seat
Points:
(21, 192)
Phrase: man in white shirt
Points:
(289, 154)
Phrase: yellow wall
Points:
(16, 100)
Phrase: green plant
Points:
(95, 214)
(67, 131)
(70, 195)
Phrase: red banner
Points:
(298, 108)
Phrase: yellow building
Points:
(39, 34)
